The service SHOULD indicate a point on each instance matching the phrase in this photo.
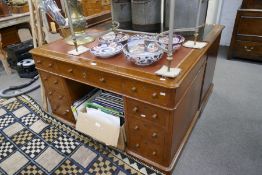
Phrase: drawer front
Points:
(153, 94)
(246, 49)
(250, 25)
(45, 64)
(99, 79)
(146, 149)
(148, 113)
(51, 81)
(60, 104)
(152, 135)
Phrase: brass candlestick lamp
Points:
(79, 23)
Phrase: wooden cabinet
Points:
(252, 4)
(246, 39)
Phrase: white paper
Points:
(174, 72)
(198, 45)
(80, 50)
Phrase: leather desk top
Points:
(184, 58)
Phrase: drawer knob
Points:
(38, 61)
(50, 65)
(133, 89)
(135, 109)
(154, 135)
(50, 93)
(84, 75)
(55, 109)
(154, 95)
(45, 78)
(154, 116)
(136, 128)
(154, 153)
(102, 80)
(60, 97)
(137, 145)
(55, 82)
(70, 70)
(66, 111)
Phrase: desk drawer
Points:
(246, 49)
(145, 112)
(153, 94)
(45, 64)
(60, 104)
(97, 78)
(145, 149)
(150, 133)
(51, 81)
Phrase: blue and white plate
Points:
(106, 50)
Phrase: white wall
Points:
(213, 11)
(227, 18)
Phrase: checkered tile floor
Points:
(33, 142)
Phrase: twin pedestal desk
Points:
(160, 112)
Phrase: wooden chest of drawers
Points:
(246, 40)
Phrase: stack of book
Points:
(104, 101)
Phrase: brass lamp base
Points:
(81, 39)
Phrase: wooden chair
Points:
(3, 59)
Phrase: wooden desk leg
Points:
(44, 97)
(4, 61)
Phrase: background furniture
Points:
(160, 113)
(9, 34)
(246, 40)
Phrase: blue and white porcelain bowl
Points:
(118, 37)
(106, 50)
(142, 52)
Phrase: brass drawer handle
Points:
(154, 95)
(45, 78)
(102, 80)
(154, 153)
(133, 89)
(50, 93)
(248, 49)
(50, 65)
(135, 109)
(154, 135)
(55, 82)
(60, 97)
(137, 145)
(38, 61)
(70, 71)
(154, 116)
(136, 128)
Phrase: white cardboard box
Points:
(102, 127)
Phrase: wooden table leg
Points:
(3, 58)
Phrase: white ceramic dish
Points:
(106, 50)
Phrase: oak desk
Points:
(160, 112)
